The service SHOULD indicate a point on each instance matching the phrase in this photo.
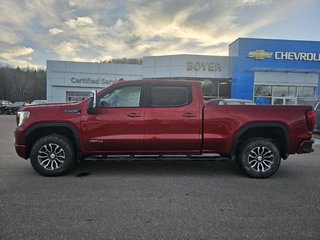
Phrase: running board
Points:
(205, 157)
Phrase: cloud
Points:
(66, 49)
(17, 56)
(90, 31)
(54, 31)
(9, 37)
(79, 22)
(71, 51)
(256, 2)
(15, 52)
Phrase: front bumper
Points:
(306, 146)
(21, 150)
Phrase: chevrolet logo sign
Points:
(259, 54)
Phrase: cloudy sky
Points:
(33, 31)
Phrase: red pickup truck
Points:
(158, 117)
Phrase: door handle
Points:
(188, 115)
(134, 115)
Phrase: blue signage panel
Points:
(263, 101)
(250, 55)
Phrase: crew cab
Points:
(160, 117)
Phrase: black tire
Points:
(52, 155)
(259, 157)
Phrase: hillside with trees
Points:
(22, 84)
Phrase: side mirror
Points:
(94, 99)
(93, 103)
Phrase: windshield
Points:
(17, 104)
(38, 102)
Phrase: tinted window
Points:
(249, 103)
(233, 103)
(213, 102)
(17, 104)
(170, 96)
(122, 97)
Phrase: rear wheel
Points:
(259, 157)
(52, 155)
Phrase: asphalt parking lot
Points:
(157, 199)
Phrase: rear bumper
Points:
(306, 147)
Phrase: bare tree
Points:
(22, 84)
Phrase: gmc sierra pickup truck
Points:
(158, 117)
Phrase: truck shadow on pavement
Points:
(160, 167)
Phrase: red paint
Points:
(168, 130)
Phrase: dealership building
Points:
(270, 72)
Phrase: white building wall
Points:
(78, 76)
(63, 76)
(286, 79)
(186, 66)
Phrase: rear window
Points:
(170, 96)
(233, 103)
(249, 103)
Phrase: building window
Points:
(280, 91)
(216, 88)
(284, 95)
(306, 91)
(261, 90)
(224, 88)
(262, 94)
(210, 88)
(76, 96)
(292, 91)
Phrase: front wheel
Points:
(259, 157)
(52, 155)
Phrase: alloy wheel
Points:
(260, 159)
(51, 156)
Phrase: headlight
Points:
(22, 117)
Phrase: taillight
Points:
(311, 119)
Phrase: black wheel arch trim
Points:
(48, 125)
(259, 125)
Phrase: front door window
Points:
(128, 96)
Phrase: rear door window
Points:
(170, 96)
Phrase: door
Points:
(118, 124)
(172, 119)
